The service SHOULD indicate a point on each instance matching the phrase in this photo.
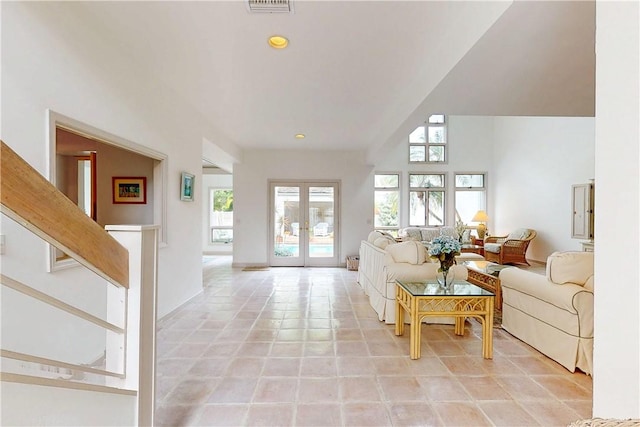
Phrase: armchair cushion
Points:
(519, 234)
(493, 247)
(570, 267)
(409, 252)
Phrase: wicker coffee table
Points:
(422, 299)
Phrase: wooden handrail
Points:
(32, 201)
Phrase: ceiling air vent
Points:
(270, 6)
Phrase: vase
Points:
(445, 278)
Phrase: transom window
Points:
(386, 202)
(428, 142)
(470, 195)
(427, 199)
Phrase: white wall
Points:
(77, 73)
(251, 197)
(212, 181)
(536, 160)
(616, 359)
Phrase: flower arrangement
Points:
(444, 249)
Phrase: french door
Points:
(304, 226)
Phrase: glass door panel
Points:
(303, 224)
(286, 242)
(321, 230)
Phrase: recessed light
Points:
(300, 135)
(278, 42)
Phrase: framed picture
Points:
(130, 189)
(186, 187)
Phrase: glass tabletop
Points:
(432, 287)
(485, 267)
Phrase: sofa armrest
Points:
(568, 297)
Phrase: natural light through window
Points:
(221, 215)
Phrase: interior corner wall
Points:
(536, 160)
(72, 69)
(213, 181)
(251, 197)
(616, 356)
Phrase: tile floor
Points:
(302, 347)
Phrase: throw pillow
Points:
(384, 241)
(373, 236)
(409, 252)
(428, 234)
(412, 233)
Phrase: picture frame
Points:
(187, 184)
(129, 190)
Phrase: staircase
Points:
(78, 346)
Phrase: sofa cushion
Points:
(384, 241)
(570, 267)
(412, 233)
(519, 234)
(410, 252)
(428, 234)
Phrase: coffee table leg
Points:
(459, 326)
(487, 331)
(414, 339)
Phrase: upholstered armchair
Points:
(509, 249)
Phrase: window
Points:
(426, 199)
(386, 202)
(471, 195)
(221, 215)
(428, 143)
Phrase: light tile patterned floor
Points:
(302, 347)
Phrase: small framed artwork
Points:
(186, 186)
(130, 189)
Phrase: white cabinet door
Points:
(582, 218)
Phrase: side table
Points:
(476, 249)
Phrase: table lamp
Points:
(481, 217)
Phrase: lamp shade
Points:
(480, 216)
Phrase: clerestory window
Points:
(428, 142)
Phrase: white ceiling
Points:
(358, 75)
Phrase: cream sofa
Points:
(383, 261)
(426, 234)
(553, 313)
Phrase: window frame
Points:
(427, 190)
(393, 230)
(456, 189)
(428, 145)
(213, 228)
